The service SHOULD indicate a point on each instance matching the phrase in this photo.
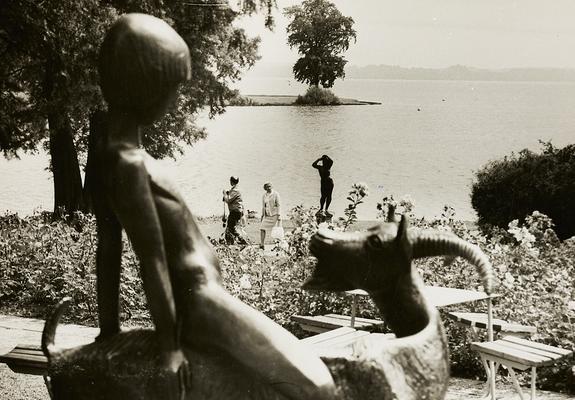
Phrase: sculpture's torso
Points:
(190, 258)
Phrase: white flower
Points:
(323, 225)
(245, 282)
(362, 188)
(508, 280)
(407, 201)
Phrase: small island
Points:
(289, 100)
(321, 61)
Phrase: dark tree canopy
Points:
(49, 83)
(321, 34)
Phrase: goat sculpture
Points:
(413, 366)
(206, 343)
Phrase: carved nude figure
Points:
(203, 335)
(142, 62)
(413, 366)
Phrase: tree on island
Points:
(49, 83)
(321, 34)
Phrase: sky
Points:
(440, 33)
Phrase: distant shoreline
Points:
(451, 73)
(251, 100)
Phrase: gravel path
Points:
(29, 387)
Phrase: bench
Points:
(336, 340)
(26, 359)
(479, 321)
(514, 352)
(340, 341)
(323, 323)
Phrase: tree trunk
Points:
(97, 132)
(65, 167)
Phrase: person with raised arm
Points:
(323, 166)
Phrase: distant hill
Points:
(460, 72)
(456, 72)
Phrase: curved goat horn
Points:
(433, 243)
(49, 332)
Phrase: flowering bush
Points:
(41, 261)
(44, 260)
(535, 275)
(357, 193)
(390, 206)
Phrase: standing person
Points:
(233, 198)
(271, 211)
(326, 183)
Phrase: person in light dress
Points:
(271, 211)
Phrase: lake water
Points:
(430, 154)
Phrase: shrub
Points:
(41, 261)
(535, 275)
(241, 101)
(519, 184)
(316, 96)
(44, 260)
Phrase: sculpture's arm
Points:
(316, 163)
(108, 266)
(134, 205)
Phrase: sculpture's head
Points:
(142, 62)
(374, 259)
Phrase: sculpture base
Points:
(322, 217)
(124, 367)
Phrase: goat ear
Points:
(402, 229)
(403, 243)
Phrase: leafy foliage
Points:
(389, 206)
(49, 84)
(321, 34)
(315, 96)
(42, 261)
(535, 281)
(49, 52)
(519, 184)
(355, 198)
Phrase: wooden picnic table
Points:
(438, 296)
